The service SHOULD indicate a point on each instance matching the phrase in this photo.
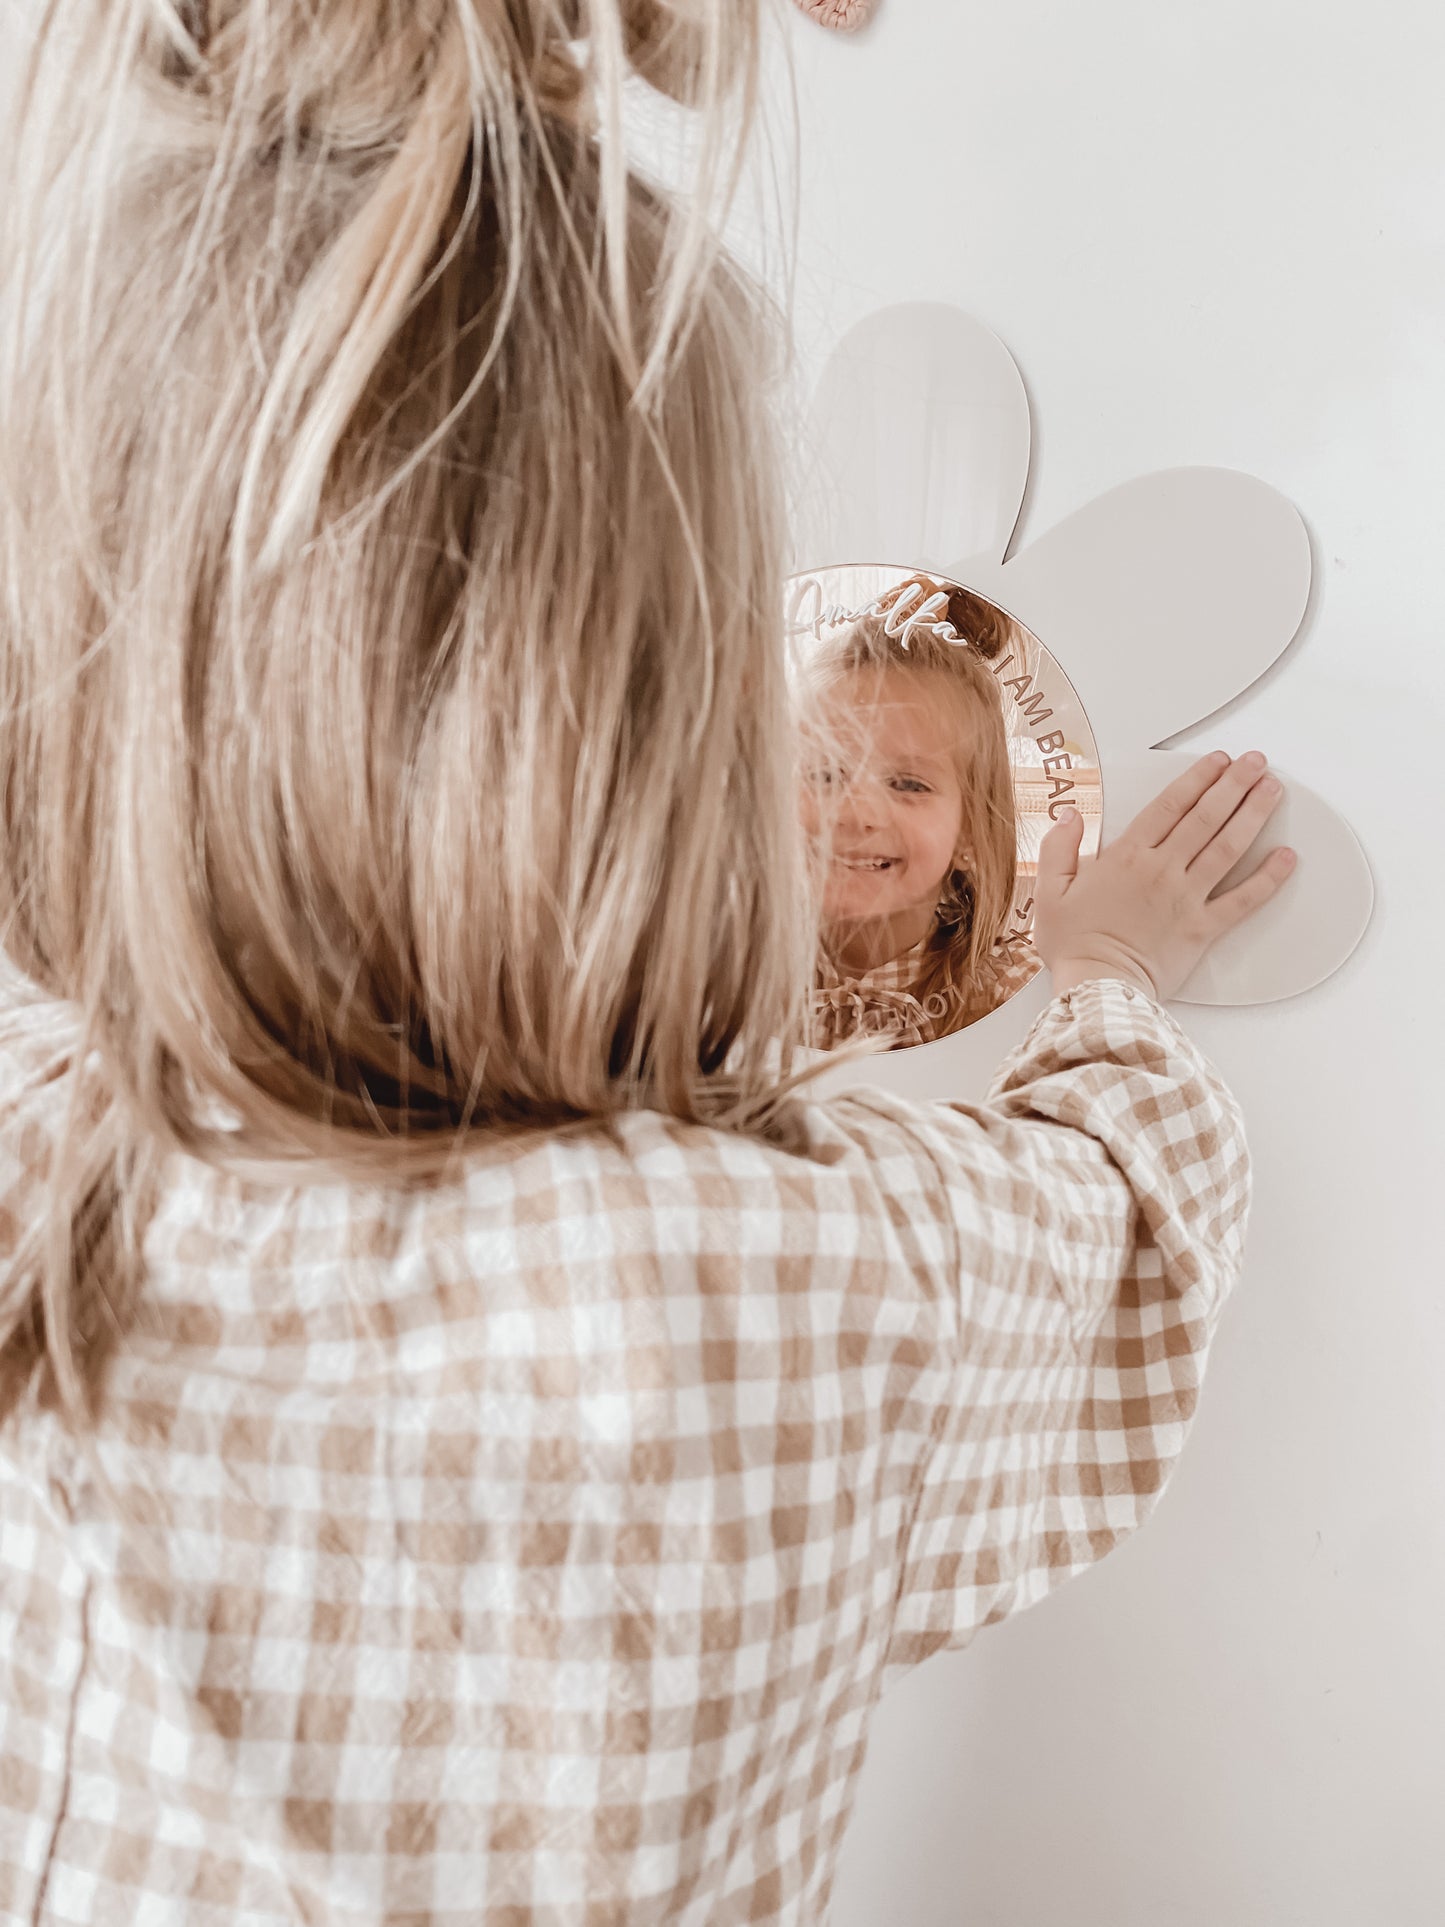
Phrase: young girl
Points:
(475, 1436)
(909, 802)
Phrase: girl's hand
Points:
(1141, 908)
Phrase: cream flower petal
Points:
(1161, 601)
(918, 443)
(1168, 596)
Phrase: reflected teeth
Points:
(867, 862)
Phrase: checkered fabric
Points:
(532, 1552)
(885, 999)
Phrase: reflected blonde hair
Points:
(392, 709)
(959, 970)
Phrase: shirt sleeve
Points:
(1099, 1200)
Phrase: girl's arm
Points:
(1093, 1213)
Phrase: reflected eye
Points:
(910, 786)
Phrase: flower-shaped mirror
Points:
(942, 740)
(1136, 618)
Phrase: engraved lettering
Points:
(799, 619)
(808, 615)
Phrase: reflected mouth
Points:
(872, 864)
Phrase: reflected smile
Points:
(869, 863)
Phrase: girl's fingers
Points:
(1219, 856)
(1159, 819)
(1229, 910)
(1197, 829)
(1059, 856)
(1214, 785)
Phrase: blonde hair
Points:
(958, 974)
(393, 722)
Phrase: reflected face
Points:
(883, 787)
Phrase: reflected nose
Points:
(860, 807)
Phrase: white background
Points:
(1211, 233)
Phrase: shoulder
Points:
(813, 1140)
(836, 1170)
(833, 1174)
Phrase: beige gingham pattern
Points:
(885, 999)
(531, 1553)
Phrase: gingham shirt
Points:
(531, 1552)
(886, 998)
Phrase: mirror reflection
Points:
(939, 739)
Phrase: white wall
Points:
(1212, 233)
